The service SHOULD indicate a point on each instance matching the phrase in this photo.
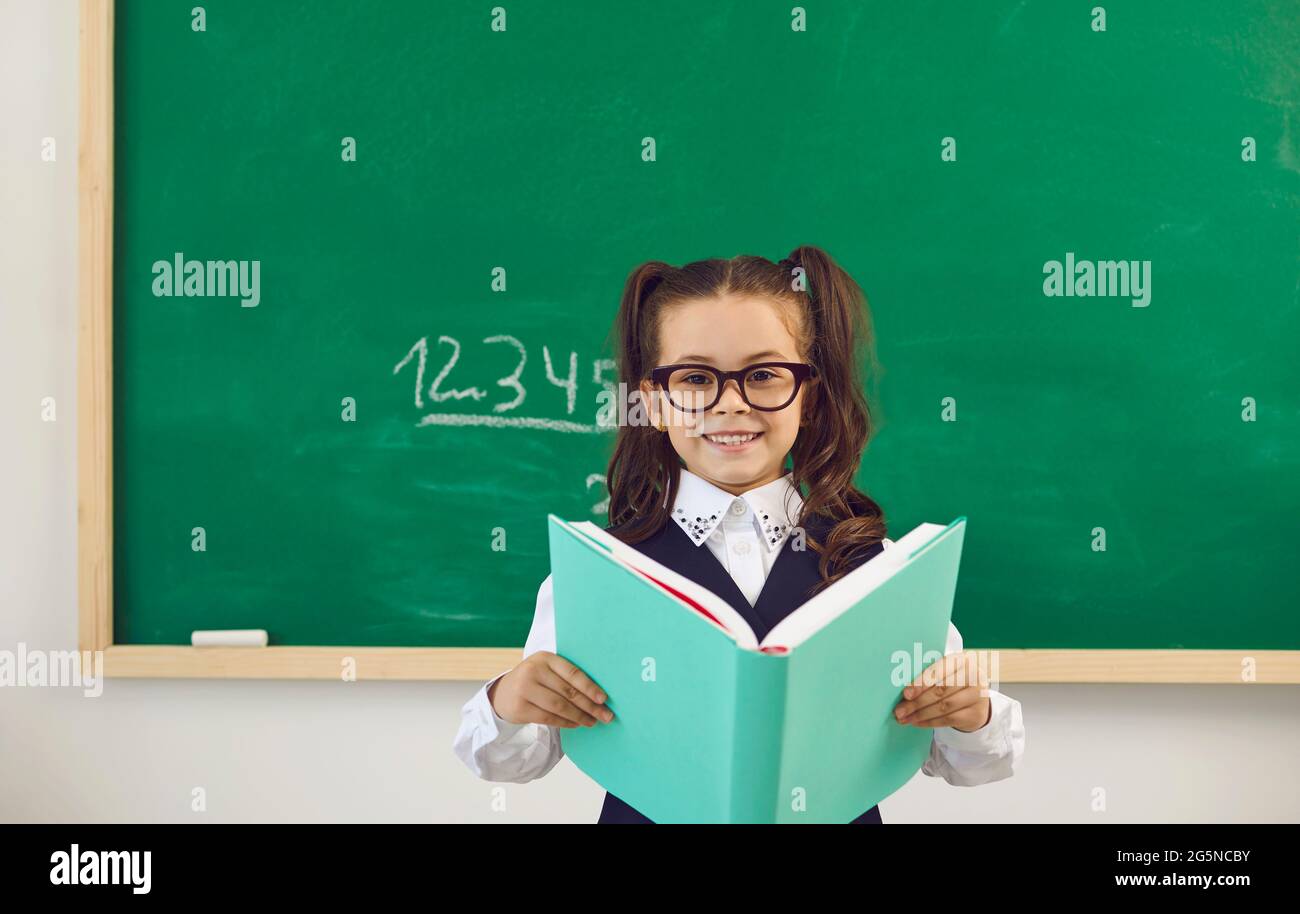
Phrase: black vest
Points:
(785, 590)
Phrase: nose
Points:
(731, 400)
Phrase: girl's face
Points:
(728, 333)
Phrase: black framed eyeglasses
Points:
(767, 386)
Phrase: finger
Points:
(921, 690)
(555, 704)
(937, 672)
(576, 677)
(540, 715)
(552, 680)
(950, 704)
(962, 720)
(953, 671)
(930, 687)
(937, 694)
(942, 700)
(948, 720)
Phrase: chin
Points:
(737, 470)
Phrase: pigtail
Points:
(842, 345)
(642, 475)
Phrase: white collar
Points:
(701, 506)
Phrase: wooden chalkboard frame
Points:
(95, 496)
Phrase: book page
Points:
(847, 592)
(689, 594)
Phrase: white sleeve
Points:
(495, 749)
(981, 756)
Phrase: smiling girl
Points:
(745, 364)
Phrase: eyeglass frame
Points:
(802, 371)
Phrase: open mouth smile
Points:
(733, 442)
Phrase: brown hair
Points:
(833, 328)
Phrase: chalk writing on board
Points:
(439, 390)
(602, 506)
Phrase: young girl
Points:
(743, 363)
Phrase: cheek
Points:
(784, 433)
(785, 424)
(682, 433)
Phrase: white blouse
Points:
(745, 533)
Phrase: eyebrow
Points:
(753, 358)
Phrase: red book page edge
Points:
(770, 649)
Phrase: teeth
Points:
(732, 439)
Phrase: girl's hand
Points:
(547, 689)
(952, 692)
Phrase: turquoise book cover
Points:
(708, 731)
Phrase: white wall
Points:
(311, 751)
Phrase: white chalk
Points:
(239, 637)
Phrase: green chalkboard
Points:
(479, 150)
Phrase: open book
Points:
(713, 726)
